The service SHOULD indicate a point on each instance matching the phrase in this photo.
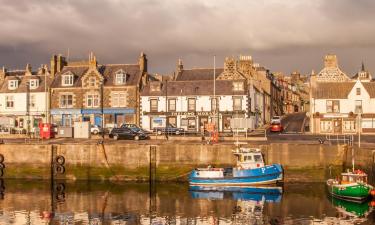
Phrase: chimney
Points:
(143, 62)
(53, 65)
(28, 71)
(61, 62)
(2, 74)
(180, 66)
(92, 60)
(230, 64)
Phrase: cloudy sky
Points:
(281, 35)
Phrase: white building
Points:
(339, 103)
(24, 98)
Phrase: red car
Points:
(276, 127)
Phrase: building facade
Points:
(88, 91)
(24, 98)
(339, 104)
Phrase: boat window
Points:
(344, 178)
(257, 158)
(248, 158)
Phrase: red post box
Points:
(46, 131)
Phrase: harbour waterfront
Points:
(35, 202)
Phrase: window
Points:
(153, 105)
(67, 80)
(172, 105)
(238, 86)
(237, 104)
(9, 101)
(349, 126)
(326, 126)
(358, 106)
(118, 99)
(92, 100)
(333, 106)
(120, 78)
(92, 82)
(214, 104)
(358, 91)
(66, 101)
(191, 104)
(34, 83)
(12, 84)
(155, 86)
(32, 103)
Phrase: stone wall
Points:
(173, 161)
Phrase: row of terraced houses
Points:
(113, 94)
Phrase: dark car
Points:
(170, 129)
(276, 127)
(132, 125)
(128, 133)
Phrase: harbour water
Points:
(39, 202)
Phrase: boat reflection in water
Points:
(250, 200)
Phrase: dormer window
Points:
(121, 77)
(92, 81)
(238, 86)
(34, 83)
(12, 84)
(67, 80)
(155, 86)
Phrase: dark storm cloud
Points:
(282, 35)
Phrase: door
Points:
(98, 120)
(203, 120)
(337, 126)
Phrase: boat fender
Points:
(372, 192)
(60, 160)
(372, 203)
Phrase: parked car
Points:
(128, 133)
(95, 129)
(276, 119)
(109, 127)
(170, 129)
(132, 125)
(276, 127)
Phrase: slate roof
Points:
(194, 88)
(332, 90)
(198, 74)
(108, 71)
(22, 87)
(370, 88)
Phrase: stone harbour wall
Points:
(170, 161)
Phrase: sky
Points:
(283, 36)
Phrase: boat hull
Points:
(355, 192)
(270, 174)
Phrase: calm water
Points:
(32, 202)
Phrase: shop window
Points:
(349, 126)
(153, 105)
(333, 106)
(191, 123)
(226, 122)
(172, 105)
(157, 122)
(326, 126)
(172, 121)
(368, 123)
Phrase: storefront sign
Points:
(65, 111)
(335, 115)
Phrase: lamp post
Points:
(28, 107)
(102, 106)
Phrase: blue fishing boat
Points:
(250, 170)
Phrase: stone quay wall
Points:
(169, 161)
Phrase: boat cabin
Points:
(249, 158)
(356, 177)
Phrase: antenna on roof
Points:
(67, 56)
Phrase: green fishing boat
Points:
(352, 186)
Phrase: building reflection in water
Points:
(31, 202)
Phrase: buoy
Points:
(372, 203)
(372, 192)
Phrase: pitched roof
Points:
(332, 90)
(370, 88)
(194, 88)
(108, 71)
(22, 85)
(198, 74)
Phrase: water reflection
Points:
(35, 202)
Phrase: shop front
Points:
(337, 123)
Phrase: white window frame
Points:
(33, 83)
(67, 80)
(92, 100)
(9, 99)
(118, 99)
(235, 107)
(12, 84)
(120, 78)
(64, 101)
(238, 86)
